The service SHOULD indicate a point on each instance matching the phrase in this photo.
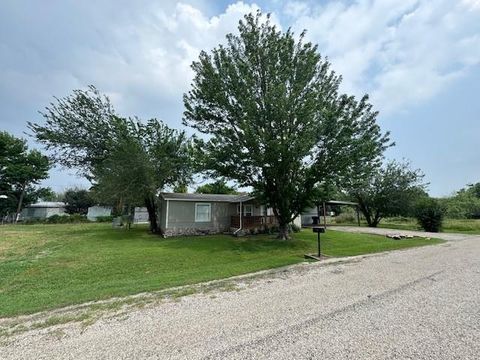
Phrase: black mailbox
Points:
(318, 230)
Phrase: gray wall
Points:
(181, 215)
(41, 212)
(161, 212)
(95, 211)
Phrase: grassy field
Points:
(48, 266)
(465, 226)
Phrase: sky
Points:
(419, 60)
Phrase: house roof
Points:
(207, 197)
(338, 202)
(47, 204)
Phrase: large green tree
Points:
(275, 118)
(389, 191)
(21, 170)
(128, 161)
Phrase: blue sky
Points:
(419, 60)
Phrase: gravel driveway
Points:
(382, 231)
(414, 304)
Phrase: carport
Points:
(324, 204)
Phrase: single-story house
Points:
(140, 214)
(195, 214)
(43, 210)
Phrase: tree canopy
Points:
(276, 120)
(463, 204)
(21, 170)
(148, 158)
(216, 187)
(390, 191)
(128, 161)
(79, 130)
(78, 201)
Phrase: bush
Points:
(58, 219)
(429, 214)
(294, 228)
(273, 229)
(346, 218)
(33, 221)
(104, 219)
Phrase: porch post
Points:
(324, 215)
(241, 214)
(358, 215)
(166, 215)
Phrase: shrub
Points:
(104, 219)
(294, 228)
(346, 218)
(32, 221)
(429, 214)
(273, 229)
(58, 219)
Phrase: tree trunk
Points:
(152, 214)
(282, 226)
(283, 232)
(376, 220)
(20, 202)
(366, 213)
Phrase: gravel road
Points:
(420, 303)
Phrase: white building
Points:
(43, 210)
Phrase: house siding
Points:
(181, 218)
(41, 212)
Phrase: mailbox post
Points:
(319, 230)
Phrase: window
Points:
(203, 212)
(247, 210)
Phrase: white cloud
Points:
(472, 4)
(401, 51)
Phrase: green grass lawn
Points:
(49, 266)
(464, 226)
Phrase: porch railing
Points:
(253, 221)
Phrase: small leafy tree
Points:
(148, 158)
(429, 213)
(391, 190)
(275, 119)
(21, 169)
(128, 161)
(217, 187)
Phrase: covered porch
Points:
(251, 215)
(250, 222)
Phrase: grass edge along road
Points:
(44, 267)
